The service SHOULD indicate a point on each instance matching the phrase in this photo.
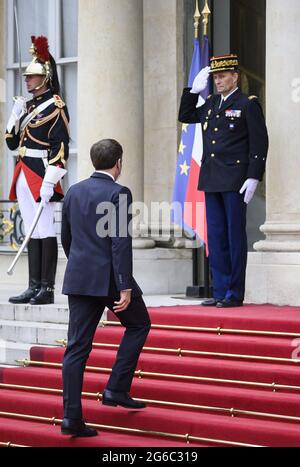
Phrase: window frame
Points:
(55, 44)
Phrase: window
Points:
(58, 20)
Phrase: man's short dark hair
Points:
(105, 154)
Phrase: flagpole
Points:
(197, 17)
(207, 289)
(206, 14)
(195, 288)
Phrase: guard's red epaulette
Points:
(58, 101)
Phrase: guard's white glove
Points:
(47, 191)
(249, 188)
(18, 110)
(200, 82)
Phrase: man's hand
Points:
(125, 299)
(47, 191)
(249, 187)
(200, 82)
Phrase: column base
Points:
(273, 277)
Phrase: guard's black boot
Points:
(34, 248)
(49, 263)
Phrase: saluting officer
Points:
(235, 146)
(39, 129)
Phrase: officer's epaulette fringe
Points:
(58, 101)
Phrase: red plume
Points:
(41, 47)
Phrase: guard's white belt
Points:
(35, 153)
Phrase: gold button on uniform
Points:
(212, 155)
(216, 129)
(213, 142)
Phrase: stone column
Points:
(163, 83)
(274, 272)
(110, 84)
(2, 94)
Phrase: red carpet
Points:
(218, 388)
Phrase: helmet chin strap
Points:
(37, 88)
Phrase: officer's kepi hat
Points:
(224, 63)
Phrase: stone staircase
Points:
(24, 326)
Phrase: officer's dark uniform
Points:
(235, 145)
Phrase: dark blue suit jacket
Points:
(97, 266)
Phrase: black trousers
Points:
(85, 314)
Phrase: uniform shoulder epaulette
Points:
(58, 101)
(252, 97)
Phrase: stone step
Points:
(58, 314)
(12, 351)
(32, 332)
(157, 270)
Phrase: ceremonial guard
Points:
(235, 146)
(39, 129)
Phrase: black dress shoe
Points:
(76, 428)
(44, 297)
(209, 302)
(229, 303)
(113, 399)
(26, 296)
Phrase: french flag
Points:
(192, 215)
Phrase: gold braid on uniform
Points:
(60, 156)
(64, 117)
(44, 120)
(35, 139)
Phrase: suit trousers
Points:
(227, 243)
(85, 314)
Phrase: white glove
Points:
(18, 110)
(249, 187)
(200, 82)
(47, 191)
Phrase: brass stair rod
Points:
(187, 438)
(98, 396)
(198, 353)
(11, 445)
(140, 374)
(218, 330)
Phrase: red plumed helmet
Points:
(41, 48)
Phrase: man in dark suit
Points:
(97, 240)
(235, 146)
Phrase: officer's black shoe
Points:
(113, 399)
(25, 297)
(209, 302)
(44, 297)
(49, 263)
(229, 303)
(34, 248)
(76, 428)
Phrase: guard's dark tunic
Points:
(49, 131)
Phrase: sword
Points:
(19, 48)
(26, 239)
